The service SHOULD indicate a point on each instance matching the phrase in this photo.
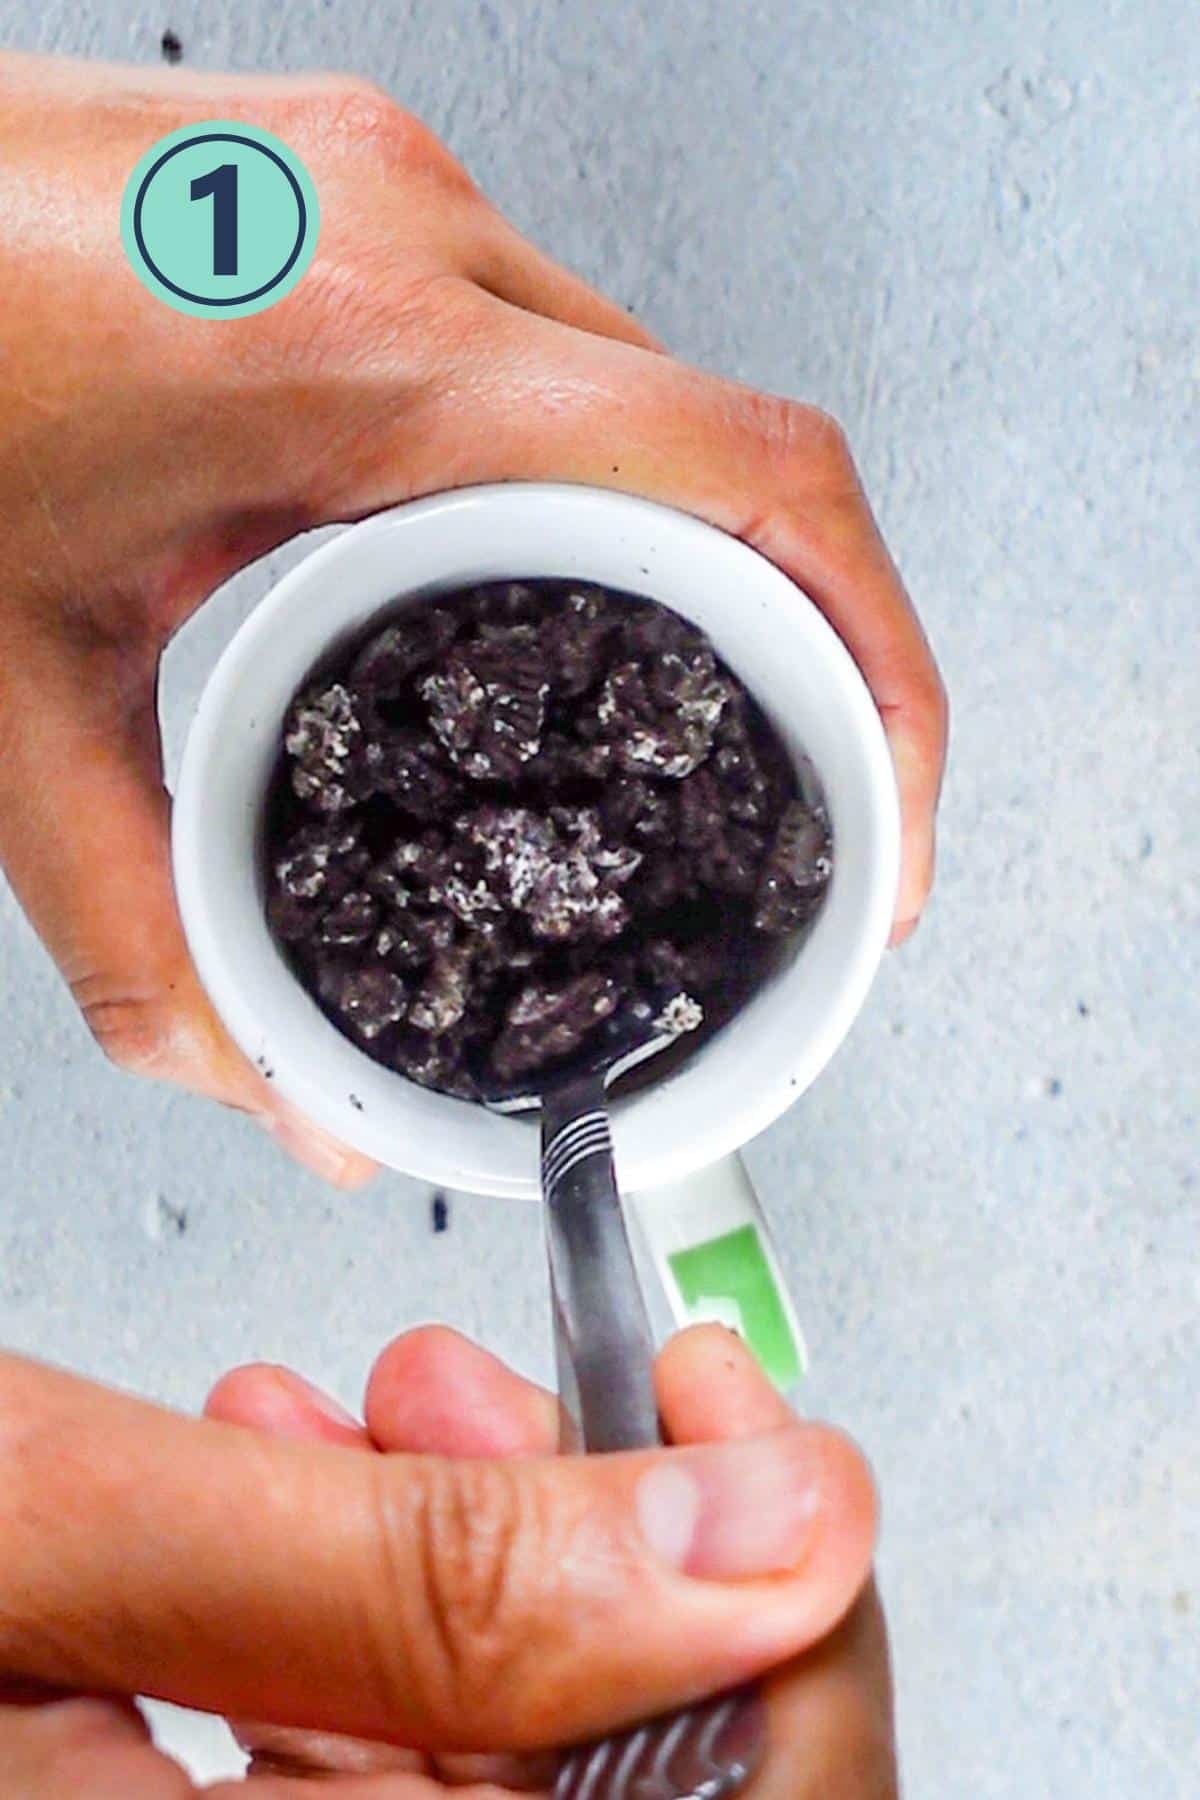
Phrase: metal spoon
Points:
(605, 1357)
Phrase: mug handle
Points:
(705, 1251)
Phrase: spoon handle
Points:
(605, 1369)
(602, 1334)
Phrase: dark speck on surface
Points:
(170, 1218)
(356, 1103)
(1083, 1009)
(1053, 1087)
(439, 1212)
(1146, 847)
(172, 49)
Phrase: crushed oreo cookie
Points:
(507, 814)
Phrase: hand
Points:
(145, 456)
(464, 1591)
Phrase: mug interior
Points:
(771, 636)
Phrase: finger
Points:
(434, 1390)
(288, 1750)
(711, 1386)
(831, 1716)
(285, 1749)
(270, 1781)
(467, 1604)
(282, 1404)
(917, 736)
(84, 840)
(514, 269)
(93, 1748)
(831, 1709)
(278, 1402)
(531, 399)
(55, 1744)
(831, 1712)
(265, 1397)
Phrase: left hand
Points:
(433, 1392)
(146, 456)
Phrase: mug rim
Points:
(302, 1070)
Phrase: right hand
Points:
(487, 1598)
(145, 456)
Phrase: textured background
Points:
(970, 230)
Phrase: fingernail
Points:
(729, 1512)
(323, 1155)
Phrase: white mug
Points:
(769, 634)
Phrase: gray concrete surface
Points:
(970, 230)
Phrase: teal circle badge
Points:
(220, 219)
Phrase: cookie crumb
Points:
(679, 1015)
(506, 817)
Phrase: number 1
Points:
(221, 183)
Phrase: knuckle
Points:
(475, 1589)
(343, 110)
(349, 115)
(472, 1582)
(791, 431)
(825, 436)
(373, 292)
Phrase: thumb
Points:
(438, 1603)
(84, 840)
